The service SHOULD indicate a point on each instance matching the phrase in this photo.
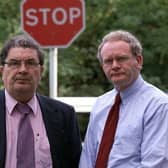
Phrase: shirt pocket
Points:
(128, 140)
(44, 154)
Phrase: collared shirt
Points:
(141, 139)
(42, 148)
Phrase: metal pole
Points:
(53, 75)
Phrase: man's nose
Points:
(115, 64)
(23, 66)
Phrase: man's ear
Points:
(41, 69)
(139, 59)
(1, 69)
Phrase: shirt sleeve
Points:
(89, 150)
(154, 147)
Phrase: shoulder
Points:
(51, 104)
(151, 101)
(103, 103)
(107, 97)
(2, 93)
(2, 96)
(155, 94)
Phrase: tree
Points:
(79, 70)
(9, 26)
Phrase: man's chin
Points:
(23, 88)
(118, 81)
(119, 84)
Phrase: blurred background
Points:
(79, 72)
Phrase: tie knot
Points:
(118, 98)
(23, 108)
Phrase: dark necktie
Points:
(108, 135)
(25, 141)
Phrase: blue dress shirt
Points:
(141, 139)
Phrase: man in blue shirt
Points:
(141, 137)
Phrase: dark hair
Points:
(21, 41)
(122, 35)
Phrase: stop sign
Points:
(53, 23)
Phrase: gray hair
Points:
(135, 45)
(21, 41)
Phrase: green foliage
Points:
(10, 25)
(83, 122)
(79, 71)
(9, 19)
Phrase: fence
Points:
(81, 104)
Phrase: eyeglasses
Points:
(30, 63)
(120, 60)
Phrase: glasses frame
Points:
(15, 64)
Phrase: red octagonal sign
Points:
(53, 23)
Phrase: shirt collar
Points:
(131, 90)
(11, 103)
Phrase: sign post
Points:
(53, 74)
(53, 24)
